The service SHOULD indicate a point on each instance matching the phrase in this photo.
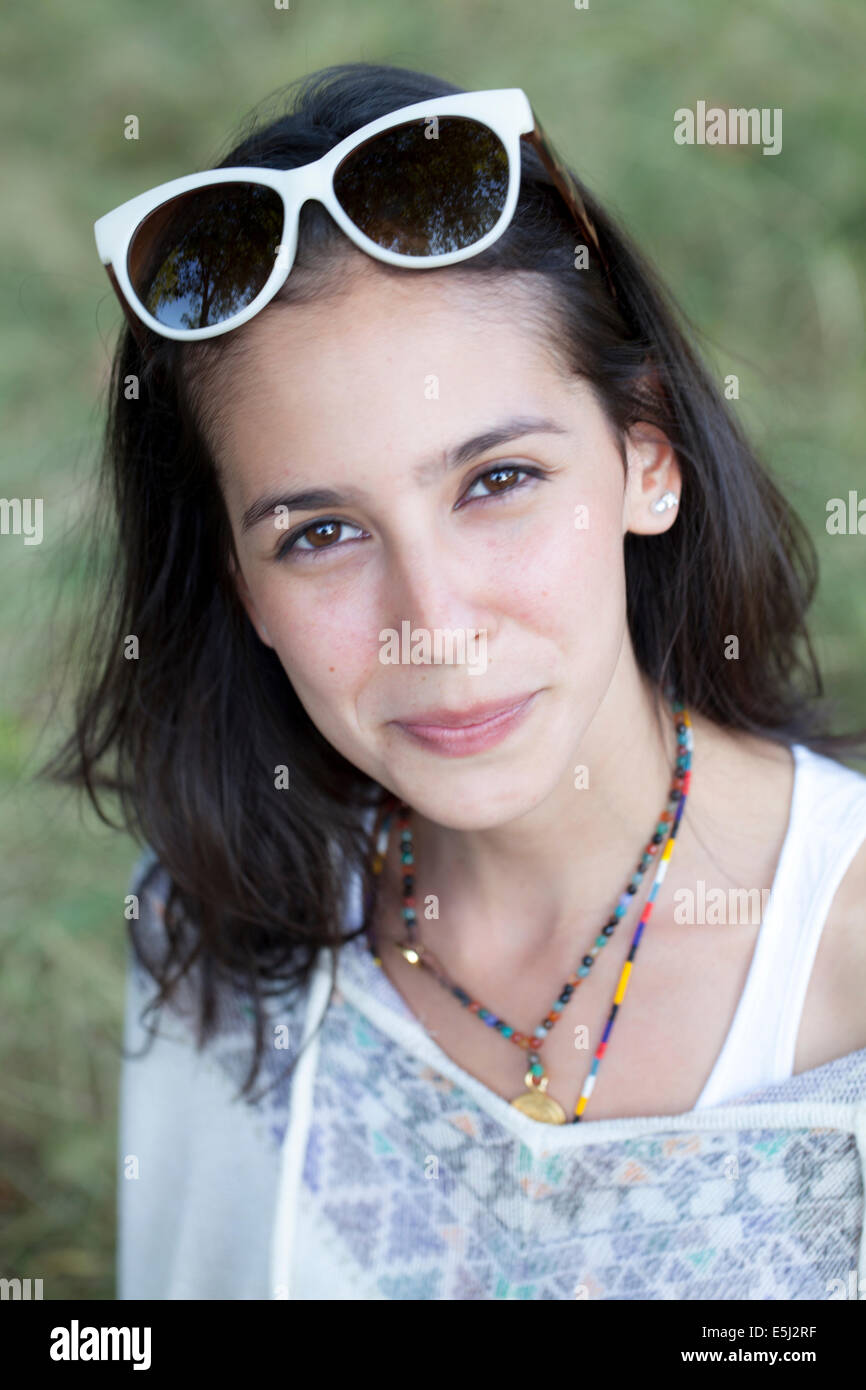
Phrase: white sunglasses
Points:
(427, 185)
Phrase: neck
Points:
(532, 883)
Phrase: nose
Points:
(434, 584)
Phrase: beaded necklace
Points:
(534, 1101)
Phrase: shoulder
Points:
(150, 951)
(813, 807)
(844, 935)
(834, 1018)
(833, 809)
(155, 945)
(147, 895)
(159, 948)
(848, 905)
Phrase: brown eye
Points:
(315, 537)
(320, 534)
(500, 477)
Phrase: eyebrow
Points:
(457, 456)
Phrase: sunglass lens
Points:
(202, 257)
(425, 188)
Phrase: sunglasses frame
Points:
(507, 112)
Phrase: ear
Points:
(247, 601)
(652, 473)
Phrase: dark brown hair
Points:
(189, 734)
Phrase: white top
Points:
(826, 826)
(382, 1170)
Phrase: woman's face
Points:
(474, 490)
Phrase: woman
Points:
(323, 463)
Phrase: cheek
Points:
(563, 572)
(316, 631)
(320, 648)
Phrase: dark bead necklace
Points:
(534, 1101)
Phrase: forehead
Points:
(382, 364)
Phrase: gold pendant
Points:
(534, 1103)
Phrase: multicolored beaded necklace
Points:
(533, 1101)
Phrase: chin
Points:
(474, 794)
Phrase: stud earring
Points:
(668, 499)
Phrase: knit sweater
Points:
(382, 1170)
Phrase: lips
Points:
(479, 729)
(444, 718)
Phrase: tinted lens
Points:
(204, 256)
(427, 187)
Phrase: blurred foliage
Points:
(764, 253)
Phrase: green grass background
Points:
(764, 253)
